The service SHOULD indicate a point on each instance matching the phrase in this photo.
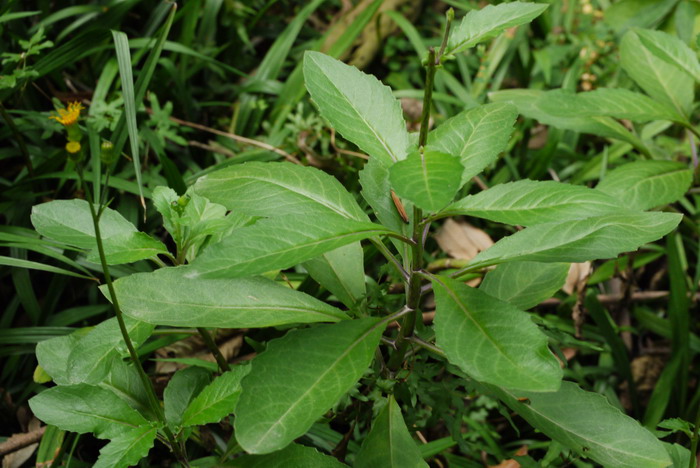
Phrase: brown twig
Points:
(238, 138)
(18, 441)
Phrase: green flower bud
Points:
(107, 155)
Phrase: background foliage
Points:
(228, 87)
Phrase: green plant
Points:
(283, 215)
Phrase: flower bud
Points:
(107, 155)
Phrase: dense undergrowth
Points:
(125, 106)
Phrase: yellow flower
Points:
(68, 116)
(73, 147)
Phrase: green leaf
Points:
(580, 240)
(551, 108)
(53, 354)
(477, 136)
(182, 388)
(491, 340)
(586, 423)
(667, 84)
(529, 202)
(167, 297)
(625, 14)
(294, 455)
(278, 243)
(376, 190)
(670, 49)
(128, 248)
(429, 179)
(389, 444)
(280, 401)
(127, 449)
(525, 284)
(480, 25)
(642, 185)
(342, 272)
(84, 408)
(124, 381)
(70, 221)
(92, 357)
(620, 104)
(358, 106)
(274, 189)
(217, 400)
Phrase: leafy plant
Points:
(237, 227)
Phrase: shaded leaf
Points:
(389, 444)
(280, 401)
(491, 340)
(525, 284)
(342, 272)
(294, 455)
(589, 425)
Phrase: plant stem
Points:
(150, 392)
(427, 99)
(211, 344)
(695, 438)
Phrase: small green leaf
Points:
(642, 185)
(662, 81)
(167, 297)
(389, 444)
(53, 355)
(359, 106)
(480, 25)
(278, 188)
(529, 202)
(182, 388)
(580, 240)
(586, 423)
(84, 408)
(525, 284)
(477, 136)
(278, 243)
(294, 455)
(429, 179)
(127, 449)
(298, 378)
(491, 340)
(217, 400)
